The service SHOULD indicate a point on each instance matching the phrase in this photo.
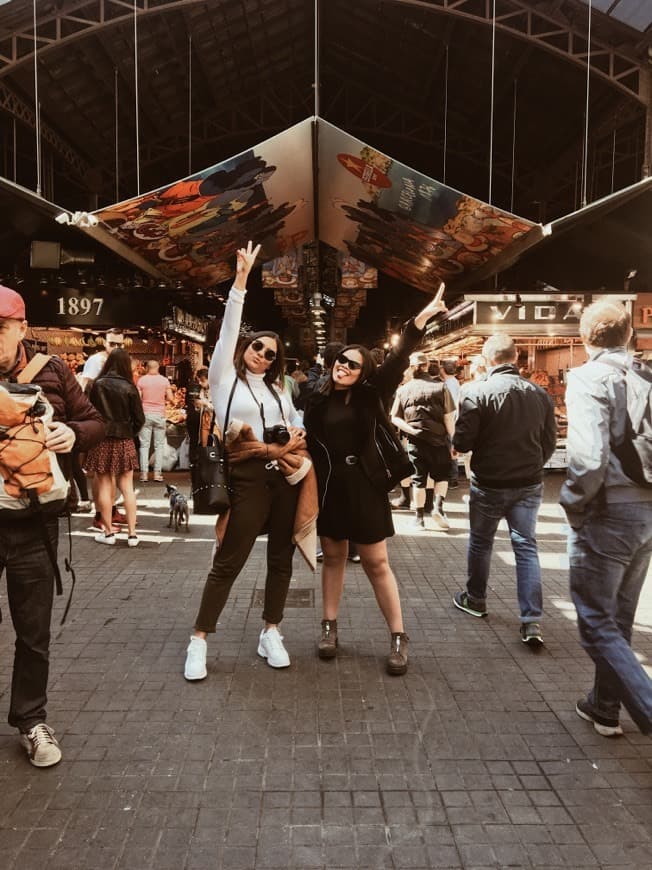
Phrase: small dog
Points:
(178, 507)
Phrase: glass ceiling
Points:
(635, 13)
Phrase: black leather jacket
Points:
(119, 403)
(371, 399)
(509, 424)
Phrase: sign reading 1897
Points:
(74, 306)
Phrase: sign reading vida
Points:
(529, 312)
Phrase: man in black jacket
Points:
(509, 424)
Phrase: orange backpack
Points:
(30, 476)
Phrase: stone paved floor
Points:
(474, 760)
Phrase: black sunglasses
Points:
(351, 364)
(270, 355)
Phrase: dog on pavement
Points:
(179, 511)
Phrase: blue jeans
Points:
(519, 507)
(30, 590)
(153, 423)
(609, 557)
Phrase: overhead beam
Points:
(20, 109)
(550, 31)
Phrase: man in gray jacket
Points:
(610, 540)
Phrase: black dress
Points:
(354, 509)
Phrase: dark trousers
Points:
(261, 500)
(79, 476)
(30, 589)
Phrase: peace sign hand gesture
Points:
(246, 257)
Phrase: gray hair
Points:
(499, 349)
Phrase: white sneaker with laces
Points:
(41, 745)
(195, 668)
(105, 539)
(133, 541)
(270, 647)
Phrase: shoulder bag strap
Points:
(32, 368)
(228, 407)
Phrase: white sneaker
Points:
(270, 647)
(132, 541)
(41, 745)
(441, 519)
(105, 539)
(195, 668)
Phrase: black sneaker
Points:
(604, 727)
(463, 601)
(531, 634)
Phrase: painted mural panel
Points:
(190, 229)
(405, 224)
(356, 275)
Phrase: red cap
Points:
(11, 304)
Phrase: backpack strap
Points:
(33, 367)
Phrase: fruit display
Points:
(175, 411)
(74, 361)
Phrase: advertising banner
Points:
(191, 229)
(400, 221)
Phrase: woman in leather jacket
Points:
(114, 460)
(357, 459)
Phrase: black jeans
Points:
(262, 500)
(30, 590)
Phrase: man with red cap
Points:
(23, 551)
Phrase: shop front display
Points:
(545, 329)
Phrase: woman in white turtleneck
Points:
(244, 381)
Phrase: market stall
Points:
(544, 328)
(177, 344)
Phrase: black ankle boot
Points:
(397, 660)
(327, 647)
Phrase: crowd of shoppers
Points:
(500, 421)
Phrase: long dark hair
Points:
(118, 363)
(367, 370)
(274, 374)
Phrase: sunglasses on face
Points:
(351, 364)
(270, 355)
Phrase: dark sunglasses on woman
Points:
(270, 355)
(351, 364)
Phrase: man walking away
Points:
(424, 411)
(155, 391)
(23, 549)
(509, 424)
(610, 515)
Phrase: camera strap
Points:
(260, 404)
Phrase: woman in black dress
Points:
(345, 420)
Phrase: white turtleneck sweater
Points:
(221, 375)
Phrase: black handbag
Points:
(209, 474)
(210, 488)
(395, 460)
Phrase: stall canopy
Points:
(314, 181)
(606, 245)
